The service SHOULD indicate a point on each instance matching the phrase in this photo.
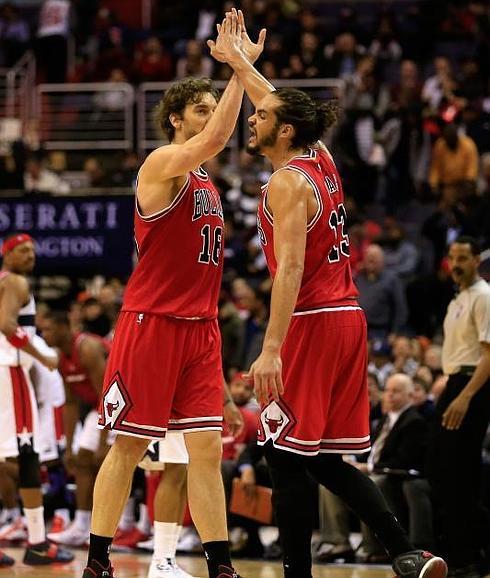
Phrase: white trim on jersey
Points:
(347, 440)
(163, 212)
(201, 174)
(323, 309)
(316, 192)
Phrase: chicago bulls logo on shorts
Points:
(114, 403)
(273, 420)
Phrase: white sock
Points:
(36, 530)
(127, 517)
(82, 520)
(63, 513)
(144, 525)
(165, 540)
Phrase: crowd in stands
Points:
(413, 148)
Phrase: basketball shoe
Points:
(419, 564)
(225, 572)
(46, 553)
(5, 560)
(96, 570)
(166, 568)
(13, 531)
(72, 536)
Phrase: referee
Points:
(463, 413)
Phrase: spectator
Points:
(434, 87)
(152, 62)
(421, 400)
(14, 35)
(403, 358)
(95, 319)
(232, 336)
(399, 447)
(343, 55)
(38, 179)
(381, 295)
(454, 166)
(52, 39)
(194, 63)
(401, 255)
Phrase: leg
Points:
(109, 498)
(207, 496)
(9, 475)
(293, 509)
(171, 495)
(363, 497)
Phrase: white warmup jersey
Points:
(50, 395)
(19, 417)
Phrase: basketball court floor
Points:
(135, 565)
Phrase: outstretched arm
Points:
(176, 160)
(241, 60)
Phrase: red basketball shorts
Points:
(325, 406)
(162, 374)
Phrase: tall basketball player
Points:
(311, 374)
(19, 437)
(164, 370)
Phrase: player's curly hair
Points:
(177, 97)
(309, 118)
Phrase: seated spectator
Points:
(396, 463)
(380, 363)
(375, 396)
(403, 358)
(343, 55)
(454, 165)
(421, 400)
(194, 63)
(401, 255)
(381, 295)
(152, 62)
(38, 179)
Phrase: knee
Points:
(175, 475)
(128, 449)
(84, 459)
(205, 448)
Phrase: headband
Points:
(11, 243)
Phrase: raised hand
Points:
(251, 50)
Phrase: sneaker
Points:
(328, 553)
(13, 531)
(58, 524)
(419, 564)
(6, 560)
(189, 541)
(147, 544)
(72, 536)
(96, 570)
(166, 568)
(128, 540)
(46, 553)
(225, 572)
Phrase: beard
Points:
(269, 140)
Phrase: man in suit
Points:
(396, 464)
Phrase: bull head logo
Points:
(111, 407)
(274, 424)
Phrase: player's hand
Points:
(266, 375)
(248, 482)
(251, 50)
(228, 43)
(50, 362)
(454, 414)
(233, 418)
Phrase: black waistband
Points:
(467, 370)
(26, 320)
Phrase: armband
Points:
(19, 338)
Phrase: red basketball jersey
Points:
(327, 277)
(74, 375)
(180, 254)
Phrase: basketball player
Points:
(310, 377)
(82, 365)
(19, 437)
(164, 371)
